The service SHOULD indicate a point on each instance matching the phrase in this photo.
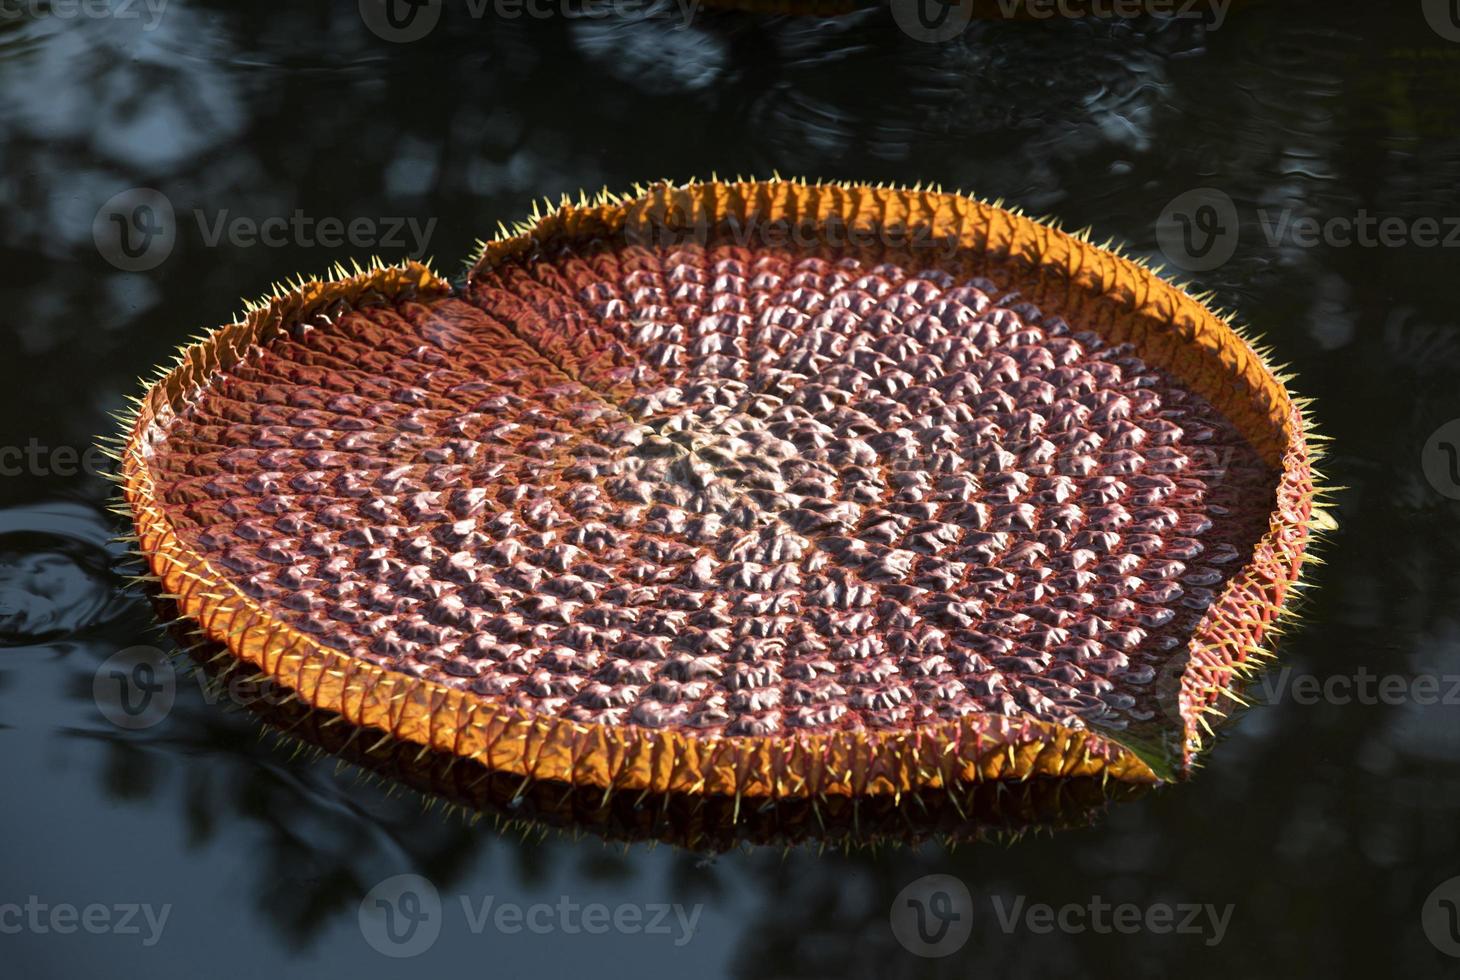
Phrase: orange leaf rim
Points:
(992, 811)
(1062, 274)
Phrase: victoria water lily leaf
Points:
(747, 491)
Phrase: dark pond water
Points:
(1321, 829)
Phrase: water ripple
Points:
(57, 573)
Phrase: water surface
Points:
(1324, 823)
